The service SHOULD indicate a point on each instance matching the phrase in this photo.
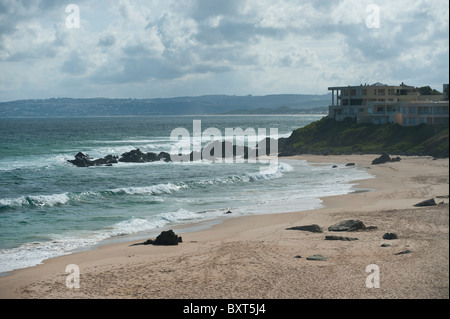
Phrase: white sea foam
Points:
(152, 190)
(35, 200)
(273, 199)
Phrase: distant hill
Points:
(281, 110)
(208, 104)
(330, 137)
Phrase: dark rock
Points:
(167, 238)
(163, 156)
(137, 156)
(404, 252)
(298, 256)
(82, 155)
(228, 212)
(263, 146)
(134, 156)
(317, 258)
(390, 236)
(311, 228)
(428, 202)
(348, 225)
(334, 166)
(225, 149)
(84, 160)
(384, 158)
(371, 228)
(107, 160)
(340, 238)
(385, 245)
(350, 164)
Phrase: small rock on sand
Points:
(317, 258)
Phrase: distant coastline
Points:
(201, 105)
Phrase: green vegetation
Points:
(328, 137)
(427, 90)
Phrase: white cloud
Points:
(190, 47)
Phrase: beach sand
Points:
(255, 256)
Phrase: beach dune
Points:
(257, 257)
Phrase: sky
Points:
(170, 48)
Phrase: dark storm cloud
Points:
(107, 40)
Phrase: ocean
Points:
(49, 207)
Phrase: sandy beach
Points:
(257, 257)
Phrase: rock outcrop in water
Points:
(137, 156)
(213, 151)
(134, 156)
(84, 160)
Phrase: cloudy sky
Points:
(167, 48)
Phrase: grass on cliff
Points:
(328, 136)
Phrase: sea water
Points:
(49, 207)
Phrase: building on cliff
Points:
(381, 103)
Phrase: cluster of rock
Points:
(344, 226)
(385, 158)
(134, 156)
(212, 151)
(84, 160)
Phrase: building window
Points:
(421, 120)
(412, 121)
(364, 91)
(391, 92)
(412, 110)
(381, 91)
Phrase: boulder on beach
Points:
(404, 252)
(317, 258)
(340, 238)
(390, 236)
(167, 238)
(385, 158)
(348, 225)
(311, 228)
(425, 203)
